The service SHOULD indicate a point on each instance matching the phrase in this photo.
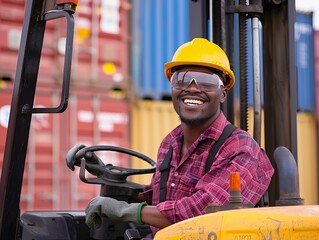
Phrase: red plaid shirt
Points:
(190, 190)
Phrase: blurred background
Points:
(119, 94)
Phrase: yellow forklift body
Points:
(288, 222)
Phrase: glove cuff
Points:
(139, 210)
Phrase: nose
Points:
(193, 85)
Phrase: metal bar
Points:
(222, 37)
(198, 17)
(67, 61)
(280, 103)
(293, 86)
(19, 123)
(55, 162)
(211, 20)
(256, 78)
(229, 106)
(243, 65)
(218, 23)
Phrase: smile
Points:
(193, 101)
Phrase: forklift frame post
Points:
(280, 76)
(19, 122)
(37, 13)
(280, 82)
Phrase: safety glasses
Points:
(206, 82)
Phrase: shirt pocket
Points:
(186, 186)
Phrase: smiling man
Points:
(187, 177)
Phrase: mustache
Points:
(189, 95)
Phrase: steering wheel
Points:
(109, 173)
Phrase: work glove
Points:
(115, 210)
(72, 161)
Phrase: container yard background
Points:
(119, 95)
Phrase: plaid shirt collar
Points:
(213, 131)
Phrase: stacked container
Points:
(101, 45)
(158, 29)
(11, 18)
(98, 111)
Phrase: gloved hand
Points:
(116, 210)
(72, 161)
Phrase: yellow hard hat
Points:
(201, 52)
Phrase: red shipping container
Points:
(8, 63)
(100, 63)
(5, 102)
(96, 120)
(101, 49)
(101, 44)
(9, 46)
(12, 10)
(90, 119)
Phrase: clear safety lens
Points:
(206, 82)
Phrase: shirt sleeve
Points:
(241, 154)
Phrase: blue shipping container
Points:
(304, 38)
(159, 27)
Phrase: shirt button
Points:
(173, 184)
(175, 174)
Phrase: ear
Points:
(223, 94)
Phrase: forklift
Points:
(280, 214)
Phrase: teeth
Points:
(193, 101)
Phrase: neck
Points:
(191, 133)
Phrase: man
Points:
(200, 76)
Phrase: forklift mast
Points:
(37, 13)
(280, 75)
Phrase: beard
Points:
(194, 122)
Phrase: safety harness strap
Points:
(213, 151)
(164, 167)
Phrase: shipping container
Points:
(101, 44)
(96, 120)
(11, 21)
(159, 28)
(5, 102)
(91, 119)
(150, 122)
(307, 141)
(304, 37)
(316, 60)
(96, 114)
(12, 10)
(10, 33)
